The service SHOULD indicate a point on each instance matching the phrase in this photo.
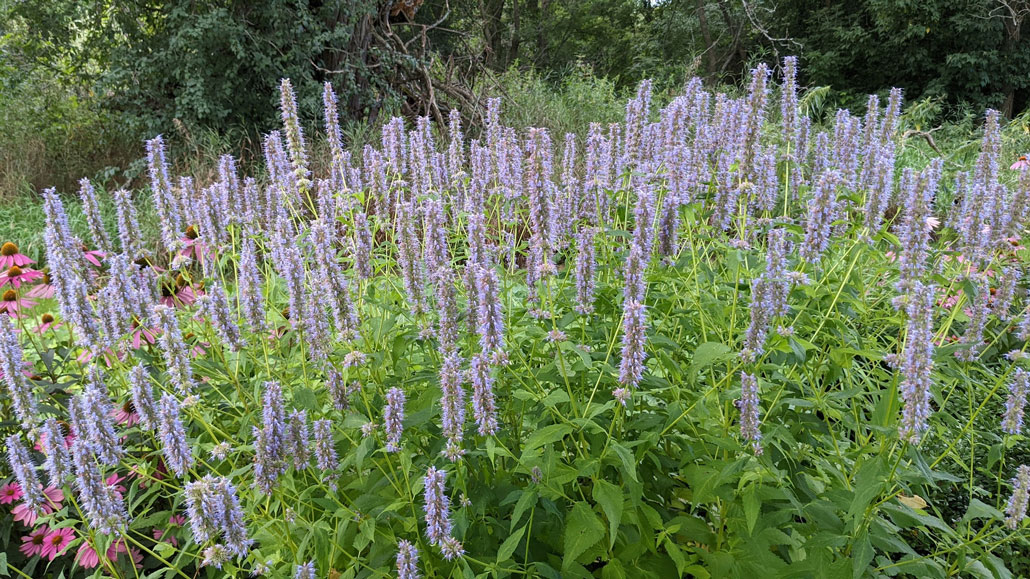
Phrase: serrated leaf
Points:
(609, 497)
(547, 435)
(510, 544)
(583, 529)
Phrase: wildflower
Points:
(176, 448)
(634, 335)
(437, 507)
(11, 364)
(914, 229)
(98, 500)
(53, 497)
(58, 459)
(215, 556)
(47, 322)
(294, 132)
(305, 571)
(917, 363)
(393, 418)
(490, 316)
(215, 306)
(823, 210)
(362, 246)
(536, 475)
(213, 509)
(973, 336)
(297, 439)
(622, 395)
(407, 559)
(270, 438)
(484, 408)
(56, 542)
(16, 276)
(252, 301)
(354, 358)
(10, 256)
(25, 471)
(174, 349)
(325, 449)
(368, 429)
(451, 548)
(452, 405)
(33, 543)
(143, 397)
(10, 303)
(586, 270)
(749, 405)
(167, 204)
(1015, 512)
(9, 493)
(91, 411)
(1002, 300)
(44, 290)
(220, 450)
(129, 232)
(166, 534)
(1019, 387)
(1020, 164)
(447, 308)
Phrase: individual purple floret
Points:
(177, 453)
(393, 418)
(749, 405)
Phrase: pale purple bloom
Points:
(407, 559)
(213, 510)
(94, 423)
(58, 459)
(25, 472)
(1015, 511)
(586, 270)
(750, 408)
(362, 244)
(437, 507)
(176, 448)
(980, 309)
(294, 132)
(91, 209)
(1019, 387)
(1003, 298)
(393, 418)
(917, 362)
(251, 298)
(174, 349)
(101, 503)
(484, 409)
(452, 405)
(11, 368)
(634, 336)
(325, 448)
(143, 396)
(297, 439)
(128, 224)
(490, 316)
(166, 203)
(914, 230)
(214, 305)
(269, 443)
(823, 210)
(306, 571)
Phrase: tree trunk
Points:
(706, 34)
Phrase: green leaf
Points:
(751, 506)
(526, 501)
(510, 544)
(583, 529)
(305, 398)
(609, 497)
(547, 435)
(629, 464)
(707, 354)
(861, 554)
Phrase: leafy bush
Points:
(691, 352)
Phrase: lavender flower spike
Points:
(25, 472)
(11, 368)
(634, 335)
(438, 516)
(452, 405)
(917, 364)
(407, 559)
(1015, 512)
(101, 503)
(58, 463)
(174, 349)
(393, 417)
(177, 452)
(1019, 387)
(325, 451)
(91, 209)
(484, 409)
(749, 411)
(215, 307)
(143, 397)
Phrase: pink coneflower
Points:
(110, 356)
(28, 517)
(142, 336)
(9, 256)
(43, 291)
(176, 297)
(10, 303)
(113, 480)
(33, 543)
(126, 414)
(192, 246)
(119, 546)
(56, 542)
(1020, 164)
(93, 256)
(16, 276)
(9, 493)
(87, 557)
(47, 322)
(166, 534)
